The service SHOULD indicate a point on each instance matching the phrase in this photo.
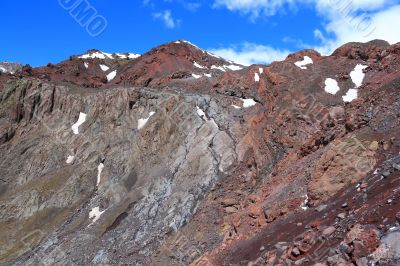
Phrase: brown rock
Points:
(398, 217)
(374, 145)
(295, 252)
(329, 230)
(230, 209)
(229, 202)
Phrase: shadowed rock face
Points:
(180, 157)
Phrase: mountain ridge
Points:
(179, 157)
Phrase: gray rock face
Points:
(157, 173)
(6, 67)
(392, 243)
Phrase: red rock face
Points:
(258, 165)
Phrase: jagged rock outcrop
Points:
(179, 157)
(7, 67)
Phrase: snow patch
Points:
(203, 116)
(95, 214)
(331, 86)
(99, 170)
(81, 120)
(304, 205)
(219, 68)
(306, 61)
(100, 55)
(133, 56)
(196, 76)
(248, 103)
(192, 44)
(86, 65)
(142, 121)
(201, 113)
(350, 95)
(103, 55)
(213, 55)
(256, 77)
(111, 75)
(128, 55)
(233, 67)
(261, 70)
(2, 69)
(227, 67)
(198, 65)
(208, 75)
(70, 159)
(357, 75)
(104, 67)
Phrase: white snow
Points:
(196, 76)
(256, 77)
(219, 68)
(95, 214)
(233, 67)
(104, 67)
(248, 103)
(70, 159)
(261, 70)
(208, 75)
(304, 205)
(306, 61)
(133, 56)
(201, 113)
(111, 75)
(192, 44)
(331, 86)
(203, 116)
(81, 120)
(350, 95)
(227, 67)
(2, 69)
(100, 55)
(129, 55)
(213, 55)
(99, 170)
(198, 65)
(357, 75)
(103, 55)
(142, 121)
(86, 65)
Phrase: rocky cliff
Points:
(180, 157)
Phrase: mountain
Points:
(180, 157)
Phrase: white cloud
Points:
(254, 7)
(359, 26)
(343, 20)
(250, 53)
(166, 17)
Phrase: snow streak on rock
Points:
(81, 120)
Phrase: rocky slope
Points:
(179, 157)
(6, 67)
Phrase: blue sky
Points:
(38, 32)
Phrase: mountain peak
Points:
(97, 54)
